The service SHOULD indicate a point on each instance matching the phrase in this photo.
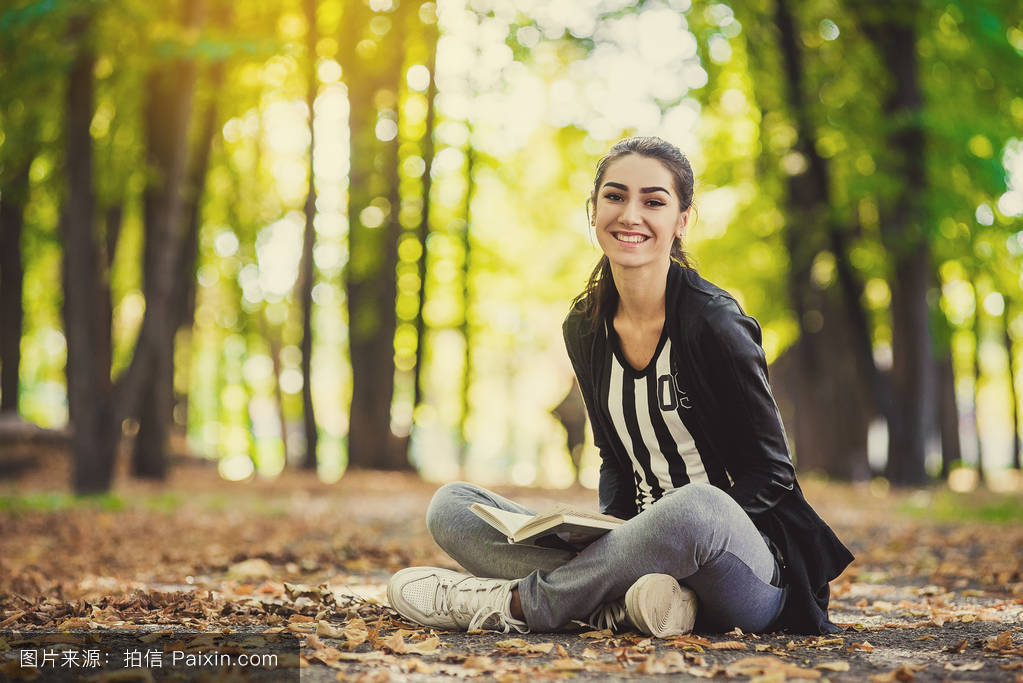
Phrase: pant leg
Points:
(480, 548)
(697, 533)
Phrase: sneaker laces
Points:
(610, 615)
(484, 599)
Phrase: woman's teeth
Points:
(630, 238)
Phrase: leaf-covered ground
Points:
(935, 594)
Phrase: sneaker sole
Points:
(659, 606)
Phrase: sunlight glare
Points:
(328, 71)
(278, 250)
(418, 77)
(235, 467)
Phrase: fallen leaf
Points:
(1003, 641)
(429, 645)
(968, 666)
(605, 633)
(903, 673)
(833, 666)
(13, 618)
(565, 664)
(479, 663)
(255, 568)
(823, 642)
(865, 646)
(418, 666)
(524, 647)
(673, 662)
(728, 645)
(959, 647)
(765, 665)
(395, 643)
(328, 630)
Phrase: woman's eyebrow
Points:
(643, 190)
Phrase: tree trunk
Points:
(893, 32)
(979, 463)
(423, 229)
(948, 414)
(832, 400)
(371, 273)
(12, 212)
(1013, 395)
(466, 327)
(168, 113)
(307, 271)
(185, 285)
(93, 438)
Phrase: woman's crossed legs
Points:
(696, 533)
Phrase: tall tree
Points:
(94, 437)
(185, 285)
(170, 89)
(831, 379)
(423, 228)
(373, 78)
(306, 272)
(467, 302)
(893, 31)
(1013, 394)
(14, 188)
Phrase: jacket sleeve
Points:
(758, 460)
(616, 489)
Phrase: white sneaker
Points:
(442, 598)
(655, 605)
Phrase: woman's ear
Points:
(683, 222)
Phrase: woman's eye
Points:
(613, 196)
(655, 202)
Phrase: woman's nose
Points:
(630, 214)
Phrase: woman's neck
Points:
(641, 293)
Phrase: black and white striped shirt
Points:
(645, 407)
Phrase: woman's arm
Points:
(616, 490)
(760, 465)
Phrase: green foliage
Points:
(534, 103)
(950, 507)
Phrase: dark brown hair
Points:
(598, 297)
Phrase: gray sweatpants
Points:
(696, 533)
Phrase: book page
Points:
(504, 521)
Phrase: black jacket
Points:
(718, 363)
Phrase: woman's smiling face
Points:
(636, 213)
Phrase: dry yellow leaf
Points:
(833, 666)
(355, 632)
(418, 666)
(903, 673)
(328, 630)
(729, 645)
(525, 647)
(605, 633)
(478, 663)
(394, 642)
(968, 666)
(766, 665)
(1003, 641)
(565, 664)
(428, 645)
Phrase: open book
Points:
(563, 526)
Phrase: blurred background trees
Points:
(343, 233)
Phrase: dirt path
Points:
(925, 600)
